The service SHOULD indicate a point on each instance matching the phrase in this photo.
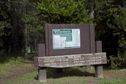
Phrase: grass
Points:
(114, 81)
(16, 71)
(29, 79)
(12, 62)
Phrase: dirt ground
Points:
(16, 71)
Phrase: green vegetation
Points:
(115, 81)
(110, 16)
(65, 11)
(22, 28)
(11, 63)
(23, 73)
(27, 79)
(22, 24)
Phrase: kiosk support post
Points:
(41, 70)
(99, 68)
(42, 74)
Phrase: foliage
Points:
(22, 23)
(121, 31)
(10, 27)
(64, 11)
(4, 23)
(15, 18)
(33, 29)
(110, 18)
(115, 62)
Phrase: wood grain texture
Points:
(72, 60)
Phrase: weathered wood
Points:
(72, 60)
(98, 46)
(99, 68)
(41, 70)
(42, 74)
(99, 71)
(87, 53)
(92, 38)
(41, 50)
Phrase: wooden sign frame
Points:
(87, 39)
(89, 53)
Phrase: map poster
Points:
(66, 38)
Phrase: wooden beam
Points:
(63, 61)
(42, 74)
(99, 68)
(41, 70)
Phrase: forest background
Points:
(22, 25)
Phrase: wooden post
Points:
(99, 71)
(99, 68)
(42, 74)
(41, 70)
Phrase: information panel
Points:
(66, 38)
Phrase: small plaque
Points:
(66, 38)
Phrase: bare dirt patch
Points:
(113, 74)
(17, 71)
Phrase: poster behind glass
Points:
(66, 38)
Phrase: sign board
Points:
(66, 38)
(68, 45)
(72, 60)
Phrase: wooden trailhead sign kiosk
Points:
(69, 45)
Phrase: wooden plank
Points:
(72, 60)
